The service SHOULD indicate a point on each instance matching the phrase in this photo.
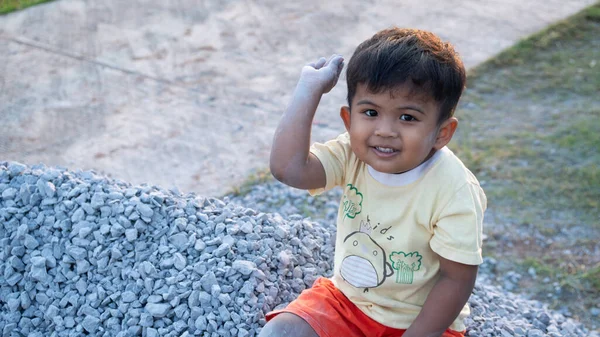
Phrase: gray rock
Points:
(30, 242)
(208, 280)
(179, 240)
(128, 296)
(77, 253)
(145, 210)
(97, 200)
(244, 267)
(535, 333)
(9, 193)
(158, 309)
(16, 168)
(179, 261)
(131, 234)
(90, 324)
(201, 324)
(151, 332)
(222, 250)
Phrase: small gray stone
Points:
(179, 240)
(222, 250)
(244, 267)
(224, 313)
(128, 296)
(16, 168)
(131, 234)
(215, 291)
(243, 332)
(69, 322)
(39, 274)
(535, 333)
(13, 304)
(9, 193)
(145, 210)
(38, 262)
(179, 261)
(146, 319)
(14, 279)
(224, 298)
(201, 323)
(97, 200)
(154, 299)
(544, 318)
(52, 311)
(151, 332)
(204, 298)
(77, 253)
(25, 300)
(199, 245)
(246, 228)
(90, 324)
(208, 280)
(158, 309)
(81, 286)
(30, 242)
(46, 188)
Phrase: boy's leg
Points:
(287, 325)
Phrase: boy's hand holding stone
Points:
(322, 75)
(291, 161)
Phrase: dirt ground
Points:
(187, 93)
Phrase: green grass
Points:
(535, 130)
(257, 177)
(592, 276)
(7, 6)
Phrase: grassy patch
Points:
(7, 6)
(592, 276)
(257, 177)
(535, 130)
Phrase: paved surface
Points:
(187, 93)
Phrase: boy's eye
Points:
(370, 113)
(407, 118)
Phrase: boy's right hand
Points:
(323, 74)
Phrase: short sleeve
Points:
(333, 155)
(457, 235)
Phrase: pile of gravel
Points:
(81, 254)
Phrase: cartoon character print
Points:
(365, 265)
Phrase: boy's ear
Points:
(345, 114)
(445, 132)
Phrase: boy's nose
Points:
(385, 130)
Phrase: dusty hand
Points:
(323, 74)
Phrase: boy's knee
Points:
(287, 325)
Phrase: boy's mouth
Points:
(385, 151)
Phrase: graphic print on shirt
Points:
(352, 202)
(364, 265)
(405, 264)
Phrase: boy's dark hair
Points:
(394, 56)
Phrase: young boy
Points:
(410, 220)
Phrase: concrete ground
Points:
(187, 93)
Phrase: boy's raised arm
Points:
(291, 161)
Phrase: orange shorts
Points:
(330, 313)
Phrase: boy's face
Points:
(395, 131)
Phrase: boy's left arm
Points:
(446, 299)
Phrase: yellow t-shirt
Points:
(391, 228)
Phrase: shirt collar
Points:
(407, 177)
